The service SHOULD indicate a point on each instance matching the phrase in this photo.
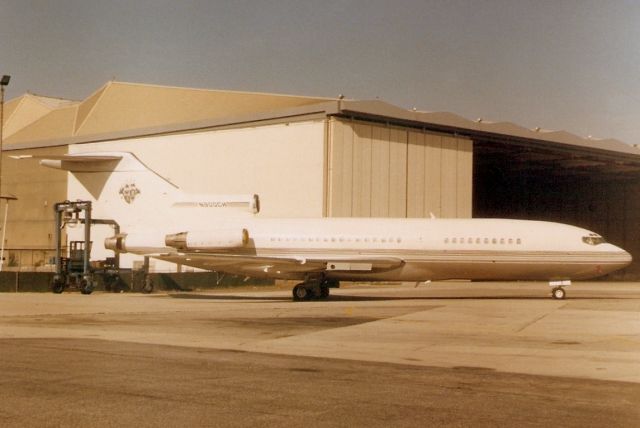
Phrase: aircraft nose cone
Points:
(619, 258)
(627, 256)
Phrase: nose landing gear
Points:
(558, 293)
(557, 290)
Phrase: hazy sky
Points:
(557, 64)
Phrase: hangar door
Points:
(377, 170)
(596, 191)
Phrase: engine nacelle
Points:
(207, 240)
(139, 243)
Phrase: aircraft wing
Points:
(281, 266)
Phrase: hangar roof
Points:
(126, 110)
(118, 107)
(480, 128)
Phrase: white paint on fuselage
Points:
(429, 248)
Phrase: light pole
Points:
(3, 82)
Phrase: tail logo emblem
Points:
(129, 192)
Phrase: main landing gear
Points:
(314, 288)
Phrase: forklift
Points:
(75, 271)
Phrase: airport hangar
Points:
(309, 157)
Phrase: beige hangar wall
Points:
(384, 171)
(30, 234)
(283, 163)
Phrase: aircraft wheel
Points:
(558, 293)
(86, 287)
(300, 293)
(58, 286)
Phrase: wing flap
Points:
(252, 265)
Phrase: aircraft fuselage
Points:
(401, 249)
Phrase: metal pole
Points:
(87, 236)
(58, 233)
(4, 81)
(4, 230)
(1, 129)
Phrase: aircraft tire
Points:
(558, 293)
(86, 287)
(300, 293)
(58, 286)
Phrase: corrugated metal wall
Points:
(383, 171)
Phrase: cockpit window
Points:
(593, 239)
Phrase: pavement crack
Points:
(530, 323)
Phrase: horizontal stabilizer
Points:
(69, 158)
(102, 162)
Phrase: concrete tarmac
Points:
(447, 354)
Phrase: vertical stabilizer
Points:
(122, 187)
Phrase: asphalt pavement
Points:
(448, 354)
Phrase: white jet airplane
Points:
(163, 222)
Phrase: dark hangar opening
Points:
(591, 189)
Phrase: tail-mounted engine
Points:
(196, 241)
(208, 240)
(135, 243)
